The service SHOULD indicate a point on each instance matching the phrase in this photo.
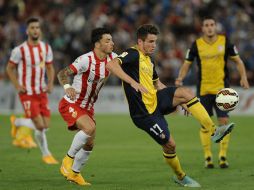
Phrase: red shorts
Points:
(70, 112)
(35, 105)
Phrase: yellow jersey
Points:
(142, 69)
(212, 63)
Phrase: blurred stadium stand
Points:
(66, 25)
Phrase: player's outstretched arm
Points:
(50, 74)
(241, 69)
(182, 73)
(11, 70)
(115, 68)
(63, 78)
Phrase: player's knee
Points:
(186, 93)
(39, 126)
(89, 130)
(169, 147)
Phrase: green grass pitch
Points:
(126, 158)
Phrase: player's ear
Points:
(26, 31)
(97, 44)
(203, 30)
(140, 40)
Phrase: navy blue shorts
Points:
(208, 101)
(155, 124)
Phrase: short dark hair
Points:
(208, 17)
(146, 29)
(32, 19)
(97, 34)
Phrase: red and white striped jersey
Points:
(31, 60)
(91, 74)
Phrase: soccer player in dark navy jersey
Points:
(149, 100)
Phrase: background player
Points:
(31, 60)
(76, 107)
(147, 107)
(211, 52)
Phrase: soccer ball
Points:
(227, 99)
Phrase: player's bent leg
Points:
(83, 154)
(171, 158)
(80, 160)
(183, 95)
(87, 129)
(169, 153)
(79, 151)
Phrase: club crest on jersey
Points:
(146, 69)
(42, 63)
(220, 48)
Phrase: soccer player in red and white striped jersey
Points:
(76, 107)
(30, 61)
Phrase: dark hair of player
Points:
(97, 34)
(146, 29)
(207, 17)
(32, 19)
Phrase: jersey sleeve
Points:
(129, 57)
(114, 55)
(80, 65)
(191, 53)
(49, 54)
(155, 75)
(15, 56)
(231, 49)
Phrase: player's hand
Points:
(21, 89)
(71, 93)
(49, 88)
(179, 82)
(244, 83)
(138, 87)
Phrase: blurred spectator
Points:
(67, 25)
(75, 21)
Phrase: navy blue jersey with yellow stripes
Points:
(141, 68)
(212, 63)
